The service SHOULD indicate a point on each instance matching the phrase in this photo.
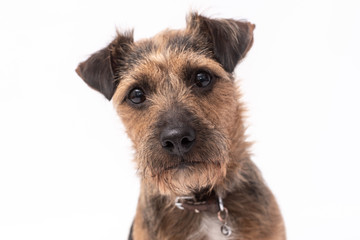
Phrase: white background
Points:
(65, 161)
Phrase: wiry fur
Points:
(219, 161)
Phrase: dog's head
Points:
(177, 98)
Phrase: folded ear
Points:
(228, 39)
(101, 70)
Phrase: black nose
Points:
(178, 140)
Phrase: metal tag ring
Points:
(225, 230)
(224, 217)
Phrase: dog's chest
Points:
(210, 227)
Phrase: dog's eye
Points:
(137, 96)
(202, 79)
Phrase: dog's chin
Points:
(184, 178)
(183, 166)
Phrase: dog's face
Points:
(176, 96)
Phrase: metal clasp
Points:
(223, 216)
(178, 200)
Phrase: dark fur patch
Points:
(140, 52)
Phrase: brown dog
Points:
(178, 100)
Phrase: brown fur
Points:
(163, 67)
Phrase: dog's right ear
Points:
(101, 70)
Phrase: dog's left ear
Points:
(228, 39)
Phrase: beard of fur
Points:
(183, 182)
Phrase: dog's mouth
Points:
(183, 165)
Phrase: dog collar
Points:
(212, 204)
(191, 203)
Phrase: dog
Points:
(179, 102)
